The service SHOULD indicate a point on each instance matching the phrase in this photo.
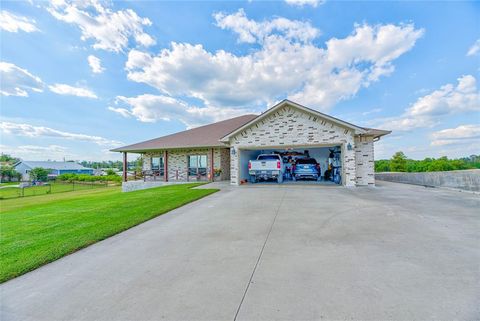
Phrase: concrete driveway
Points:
(271, 252)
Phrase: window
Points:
(306, 161)
(197, 165)
(268, 157)
(158, 164)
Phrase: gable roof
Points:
(53, 165)
(204, 136)
(286, 102)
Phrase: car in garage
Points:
(265, 167)
(306, 168)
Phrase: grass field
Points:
(38, 230)
(11, 191)
(8, 183)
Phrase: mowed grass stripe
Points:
(36, 232)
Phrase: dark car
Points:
(306, 168)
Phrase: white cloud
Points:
(301, 3)
(56, 152)
(372, 111)
(110, 30)
(460, 135)
(123, 111)
(28, 130)
(449, 99)
(474, 49)
(95, 64)
(16, 81)
(152, 108)
(13, 23)
(34, 152)
(63, 89)
(250, 31)
(287, 63)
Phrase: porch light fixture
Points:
(349, 146)
(232, 151)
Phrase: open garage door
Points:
(300, 165)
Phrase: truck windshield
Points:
(268, 157)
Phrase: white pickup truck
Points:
(266, 166)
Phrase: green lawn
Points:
(9, 191)
(38, 230)
(8, 183)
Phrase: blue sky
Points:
(80, 78)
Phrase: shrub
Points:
(39, 174)
(88, 178)
(110, 172)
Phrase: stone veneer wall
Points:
(292, 126)
(364, 159)
(222, 160)
(177, 161)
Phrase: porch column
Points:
(125, 165)
(212, 171)
(165, 166)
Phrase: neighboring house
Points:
(56, 168)
(223, 149)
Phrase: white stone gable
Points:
(292, 126)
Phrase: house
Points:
(221, 151)
(56, 168)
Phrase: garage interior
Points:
(328, 157)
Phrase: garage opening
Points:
(318, 165)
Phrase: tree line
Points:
(401, 163)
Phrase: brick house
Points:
(221, 151)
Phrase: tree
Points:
(382, 165)
(430, 164)
(39, 174)
(110, 172)
(139, 166)
(7, 173)
(5, 158)
(398, 162)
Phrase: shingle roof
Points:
(54, 165)
(212, 135)
(204, 136)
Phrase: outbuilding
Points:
(54, 168)
(222, 151)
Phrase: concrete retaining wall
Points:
(138, 185)
(466, 179)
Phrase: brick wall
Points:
(291, 126)
(364, 159)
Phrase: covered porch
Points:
(170, 166)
